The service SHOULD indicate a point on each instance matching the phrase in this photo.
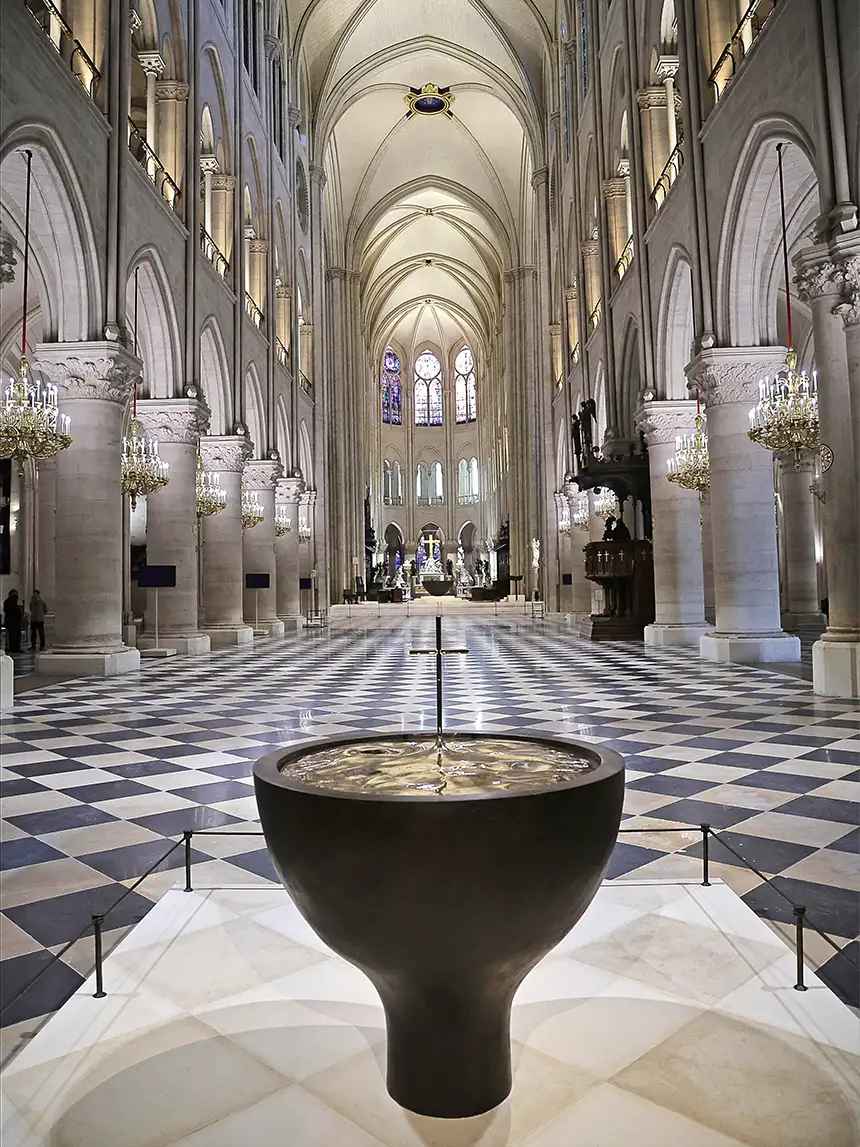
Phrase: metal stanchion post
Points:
(706, 829)
(188, 834)
(799, 914)
(98, 920)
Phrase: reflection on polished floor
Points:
(96, 774)
(669, 1009)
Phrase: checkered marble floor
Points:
(97, 774)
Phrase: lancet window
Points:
(464, 386)
(428, 390)
(392, 393)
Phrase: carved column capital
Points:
(540, 177)
(662, 422)
(317, 175)
(7, 258)
(289, 490)
(225, 452)
(650, 98)
(174, 419)
(100, 370)
(817, 275)
(151, 62)
(615, 189)
(171, 90)
(262, 474)
(732, 374)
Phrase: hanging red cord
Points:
(25, 284)
(779, 149)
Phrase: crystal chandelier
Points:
(143, 472)
(252, 511)
(210, 498)
(562, 507)
(786, 417)
(30, 423)
(605, 503)
(580, 514)
(283, 523)
(304, 532)
(690, 466)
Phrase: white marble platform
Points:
(667, 1018)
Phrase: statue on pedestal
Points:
(535, 554)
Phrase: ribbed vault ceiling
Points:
(429, 209)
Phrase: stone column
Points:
(287, 494)
(46, 564)
(803, 604)
(95, 382)
(171, 97)
(708, 557)
(258, 547)
(171, 522)
(221, 544)
(834, 300)
(679, 617)
(580, 596)
(743, 519)
(153, 66)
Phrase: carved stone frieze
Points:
(590, 249)
(174, 419)
(225, 452)
(103, 371)
(262, 474)
(662, 422)
(731, 374)
(221, 181)
(258, 246)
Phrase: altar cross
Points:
(440, 654)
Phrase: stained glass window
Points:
(436, 402)
(392, 395)
(428, 390)
(464, 386)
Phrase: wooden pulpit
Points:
(625, 572)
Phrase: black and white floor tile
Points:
(97, 774)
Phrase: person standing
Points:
(38, 609)
(12, 618)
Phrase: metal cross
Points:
(440, 653)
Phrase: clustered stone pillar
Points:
(258, 547)
(832, 288)
(287, 494)
(221, 544)
(679, 600)
(95, 381)
(171, 522)
(802, 603)
(743, 517)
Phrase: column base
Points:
(291, 623)
(191, 644)
(88, 664)
(129, 636)
(269, 627)
(658, 635)
(744, 648)
(836, 668)
(792, 621)
(7, 683)
(226, 636)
